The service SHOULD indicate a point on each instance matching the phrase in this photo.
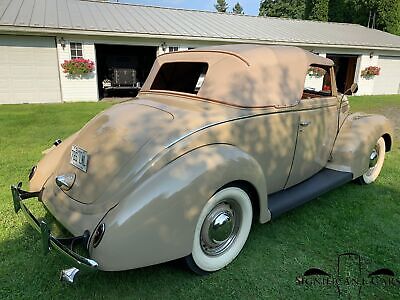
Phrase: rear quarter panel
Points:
(156, 222)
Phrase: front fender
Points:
(156, 222)
(354, 143)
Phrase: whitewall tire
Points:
(221, 231)
(376, 160)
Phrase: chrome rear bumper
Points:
(63, 245)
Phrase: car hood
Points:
(128, 136)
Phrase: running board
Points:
(320, 183)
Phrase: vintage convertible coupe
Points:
(217, 137)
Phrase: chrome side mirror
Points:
(354, 88)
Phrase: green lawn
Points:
(353, 218)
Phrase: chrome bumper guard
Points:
(63, 245)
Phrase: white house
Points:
(37, 36)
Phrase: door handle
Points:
(305, 123)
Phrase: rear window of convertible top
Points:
(184, 77)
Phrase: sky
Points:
(250, 7)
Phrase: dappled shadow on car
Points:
(247, 134)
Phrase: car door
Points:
(268, 137)
(317, 121)
(317, 126)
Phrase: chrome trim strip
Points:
(288, 110)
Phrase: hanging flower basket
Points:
(78, 66)
(316, 72)
(370, 72)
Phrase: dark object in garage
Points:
(123, 69)
(124, 77)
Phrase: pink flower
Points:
(78, 66)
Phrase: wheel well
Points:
(251, 191)
(388, 141)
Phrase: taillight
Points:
(65, 181)
(98, 234)
(33, 171)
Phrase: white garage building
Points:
(36, 36)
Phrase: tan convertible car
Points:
(217, 137)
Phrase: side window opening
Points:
(184, 77)
(317, 82)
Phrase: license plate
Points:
(79, 158)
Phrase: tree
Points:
(293, 9)
(237, 9)
(316, 10)
(388, 16)
(221, 6)
(386, 13)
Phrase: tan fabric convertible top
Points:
(248, 75)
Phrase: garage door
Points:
(28, 70)
(388, 82)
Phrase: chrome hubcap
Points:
(220, 228)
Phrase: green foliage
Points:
(341, 11)
(293, 9)
(221, 6)
(387, 12)
(317, 10)
(237, 9)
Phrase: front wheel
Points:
(376, 160)
(221, 231)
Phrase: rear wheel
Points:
(376, 160)
(221, 231)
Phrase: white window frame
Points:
(173, 49)
(70, 49)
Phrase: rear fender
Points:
(156, 222)
(48, 163)
(355, 141)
